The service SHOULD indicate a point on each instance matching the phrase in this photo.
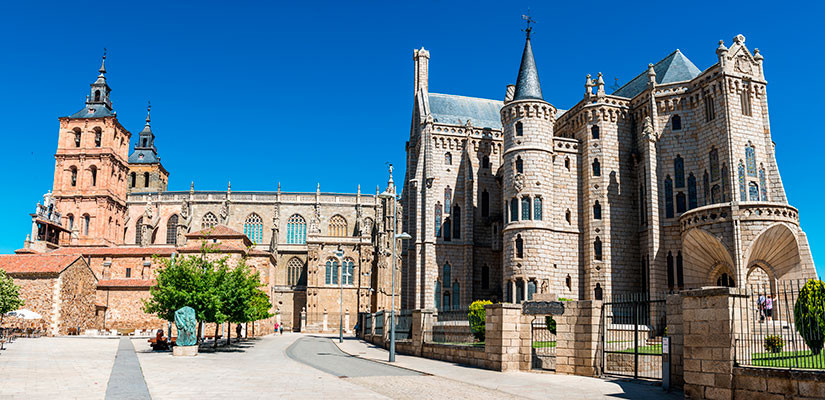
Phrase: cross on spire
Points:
(529, 20)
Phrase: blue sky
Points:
(307, 92)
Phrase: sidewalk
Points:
(521, 384)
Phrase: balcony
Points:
(745, 211)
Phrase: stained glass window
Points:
(537, 211)
(447, 230)
(681, 205)
(693, 202)
(714, 165)
(525, 208)
(668, 197)
(753, 191)
(743, 194)
(253, 228)
(750, 160)
(294, 268)
(172, 230)
(762, 184)
(456, 296)
(437, 295)
(514, 210)
(337, 226)
(531, 289)
(347, 272)
(446, 275)
(296, 230)
(209, 221)
(725, 187)
(448, 195)
(679, 171)
(437, 219)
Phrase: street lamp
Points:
(404, 236)
(340, 254)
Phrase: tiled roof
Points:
(219, 231)
(456, 110)
(673, 68)
(36, 263)
(143, 156)
(26, 251)
(127, 282)
(116, 251)
(93, 111)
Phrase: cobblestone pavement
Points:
(56, 368)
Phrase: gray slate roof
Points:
(149, 157)
(93, 111)
(673, 68)
(527, 83)
(456, 110)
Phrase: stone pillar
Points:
(708, 318)
(503, 337)
(675, 332)
(422, 328)
(578, 338)
(325, 320)
(303, 319)
(512, 291)
(346, 322)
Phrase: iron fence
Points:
(543, 343)
(368, 323)
(453, 315)
(403, 325)
(379, 323)
(769, 332)
(633, 327)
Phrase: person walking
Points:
(760, 307)
(769, 307)
(277, 327)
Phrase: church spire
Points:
(527, 84)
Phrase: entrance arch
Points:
(775, 251)
(706, 258)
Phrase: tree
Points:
(9, 295)
(242, 299)
(809, 315)
(477, 318)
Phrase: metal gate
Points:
(543, 344)
(633, 328)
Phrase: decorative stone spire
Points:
(600, 86)
(527, 83)
(588, 87)
(651, 75)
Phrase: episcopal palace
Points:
(669, 182)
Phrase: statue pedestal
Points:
(185, 351)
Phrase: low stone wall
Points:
(766, 383)
(468, 355)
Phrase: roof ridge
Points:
(466, 97)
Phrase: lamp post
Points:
(340, 254)
(403, 235)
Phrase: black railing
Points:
(634, 325)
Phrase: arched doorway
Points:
(706, 259)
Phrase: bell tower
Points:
(90, 170)
(146, 173)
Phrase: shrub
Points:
(774, 343)
(550, 322)
(809, 315)
(476, 317)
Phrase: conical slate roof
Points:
(527, 84)
(673, 68)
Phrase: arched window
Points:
(485, 203)
(692, 200)
(680, 273)
(134, 179)
(448, 196)
(331, 275)
(71, 221)
(525, 208)
(710, 113)
(597, 248)
(597, 169)
(567, 217)
(594, 131)
(77, 137)
(715, 194)
(724, 182)
(93, 172)
(294, 269)
(519, 247)
(172, 230)
(745, 102)
(145, 179)
(296, 230)
(139, 231)
(448, 233)
(598, 294)
(437, 295)
(567, 163)
(209, 221)
(706, 188)
(681, 202)
(73, 170)
(253, 228)
(485, 277)
(337, 226)
(725, 280)
(750, 160)
(676, 123)
(456, 296)
(456, 221)
(519, 129)
(98, 137)
(670, 280)
(97, 95)
(448, 159)
(668, 197)
(519, 165)
(437, 219)
(679, 171)
(568, 282)
(446, 274)
(753, 191)
(597, 210)
(743, 194)
(713, 156)
(514, 210)
(347, 272)
(485, 162)
(762, 184)
(537, 211)
(86, 223)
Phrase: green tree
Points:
(477, 318)
(9, 295)
(809, 315)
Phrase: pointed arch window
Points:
(594, 131)
(446, 274)
(456, 221)
(713, 158)
(679, 171)
(706, 188)
(597, 210)
(597, 248)
(448, 195)
(93, 172)
(519, 129)
(139, 231)
(337, 226)
(753, 191)
(681, 202)
(715, 194)
(253, 228)
(743, 194)
(762, 185)
(73, 170)
(347, 272)
(485, 277)
(597, 168)
(710, 112)
(172, 230)
(525, 208)
(209, 221)
(750, 160)
(437, 219)
(485, 203)
(519, 247)
(537, 210)
(668, 197)
(448, 230)
(446, 299)
(437, 295)
(296, 230)
(514, 210)
(519, 165)
(676, 123)
(448, 158)
(724, 182)
(692, 197)
(598, 293)
(294, 271)
(133, 177)
(331, 272)
(745, 102)
(456, 296)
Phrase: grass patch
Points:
(544, 344)
(789, 359)
(649, 349)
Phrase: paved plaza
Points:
(291, 366)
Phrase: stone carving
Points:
(224, 212)
(518, 182)
(647, 130)
(545, 284)
(187, 326)
(184, 210)
(743, 64)
(315, 223)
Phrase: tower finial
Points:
(148, 109)
(528, 20)
(102, 69)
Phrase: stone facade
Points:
(668, 183)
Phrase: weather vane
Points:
(528, 20)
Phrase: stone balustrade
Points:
(745, 211)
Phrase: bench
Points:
(162, 344)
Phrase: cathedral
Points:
(669, 182)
